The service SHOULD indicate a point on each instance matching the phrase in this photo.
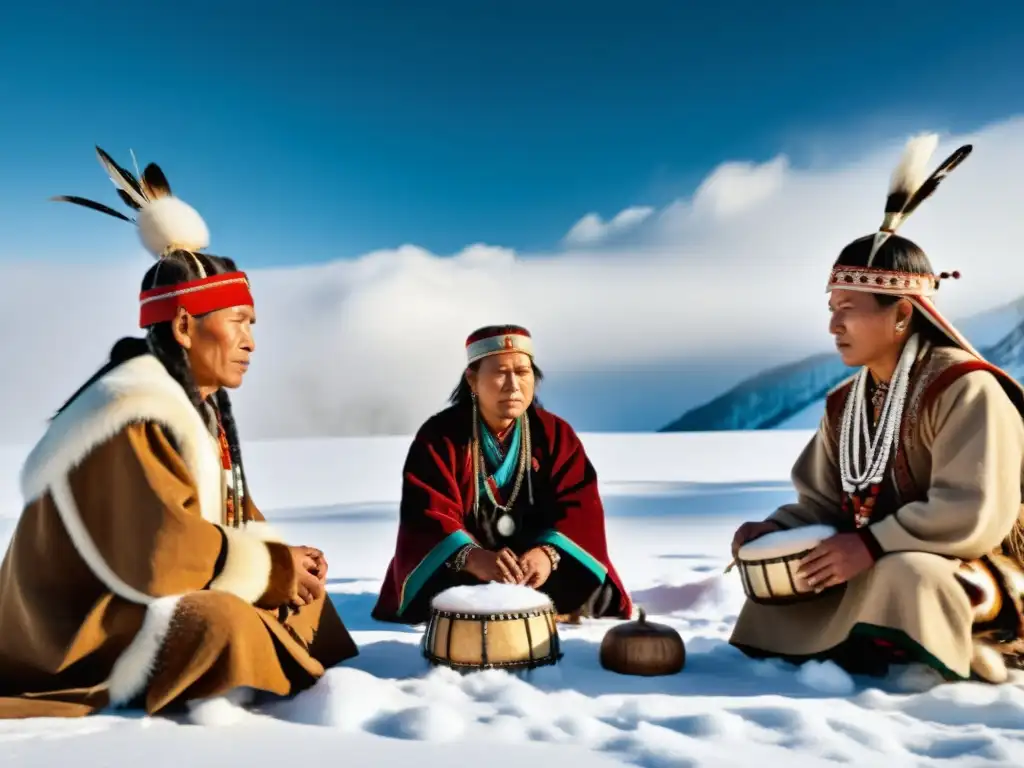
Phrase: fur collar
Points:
(140, 389)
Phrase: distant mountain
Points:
(792, 396)
(1008, 354)
(767, 399)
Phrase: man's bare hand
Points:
(536, 566)
(321, 564)
(835, 561)
(309, 563)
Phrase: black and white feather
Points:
(166, 223)
(910, 183)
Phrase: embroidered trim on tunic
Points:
(429, 565)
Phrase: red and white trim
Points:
(197, 297)
(482, 344)
(929, 310)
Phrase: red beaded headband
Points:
(875, 280)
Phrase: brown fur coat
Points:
(122, 583)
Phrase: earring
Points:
(900, 327)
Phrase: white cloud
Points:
(699, 294)
(736, 187)
(591, 229)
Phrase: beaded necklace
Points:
(858, 477)
(506, 525)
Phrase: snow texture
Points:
(487, 598)
(673, 502)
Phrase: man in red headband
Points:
(497, 489)
(917, 465)
(140, 572)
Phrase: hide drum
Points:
(487, 626)
(768, 564)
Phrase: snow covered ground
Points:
(673, 502)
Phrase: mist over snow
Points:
(637, 316)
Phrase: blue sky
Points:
(332, 130)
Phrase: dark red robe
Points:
(436, 518)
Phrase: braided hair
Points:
(174, 268)
(180, 267)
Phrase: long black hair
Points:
(174, 268)
(897, 254)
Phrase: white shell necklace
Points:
(855, 475)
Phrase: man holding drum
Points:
(497, 489)
(916, 465)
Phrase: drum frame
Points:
(796, 597)
(532, 663)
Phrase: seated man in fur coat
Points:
(140, 572)
(497, 489)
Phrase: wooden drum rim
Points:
(773, 560)
(553, 657)
(796, 597)
(497, 616)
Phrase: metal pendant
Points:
(506, 525)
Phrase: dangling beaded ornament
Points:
(506, 525)
(232, 477)
(878, 399)
(856, 478)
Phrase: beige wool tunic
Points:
(122, 582)
(957, 478)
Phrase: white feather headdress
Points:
(166, 223)
(909, 185)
